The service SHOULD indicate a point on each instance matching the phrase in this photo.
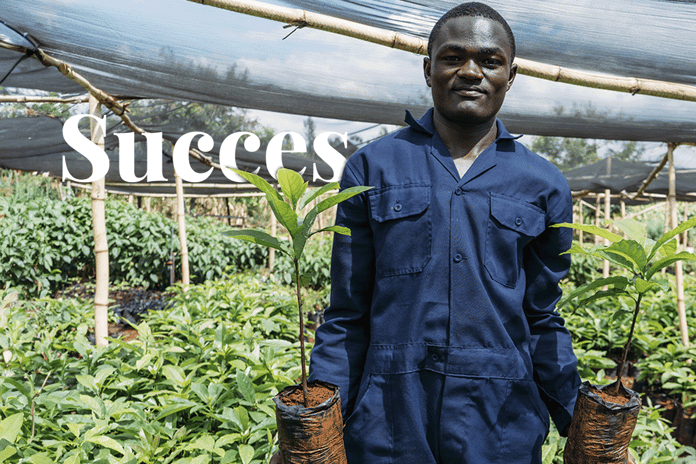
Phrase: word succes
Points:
(126, 163)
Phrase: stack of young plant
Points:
(196, 386)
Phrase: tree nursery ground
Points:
(196, 384)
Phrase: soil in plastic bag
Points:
(312, 435)
(602, 426)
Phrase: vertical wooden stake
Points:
(581, 213)
(598, 209)
(101, 249)
(147, 204)
(607, 218)
(180, 217)
(678, 270)
(274, 233)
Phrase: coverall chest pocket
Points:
(402, 228)
(512, 225)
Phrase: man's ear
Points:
(426, 70)
(513, 74)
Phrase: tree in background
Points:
(569, 153)
(309, 135)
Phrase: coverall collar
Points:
(485, 161)
(425, 124)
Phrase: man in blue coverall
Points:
(442, 332)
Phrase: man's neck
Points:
(465, 141)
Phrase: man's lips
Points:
(467, 91)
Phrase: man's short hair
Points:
(472, 9)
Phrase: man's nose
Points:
(470, 70)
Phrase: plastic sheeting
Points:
(619, 176)
(184, 51)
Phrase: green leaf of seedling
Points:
(668, 248)
(618, 282)
(310, 195)
(260, 184)
(246, 453)
(88, 381)
(632, 252)
(305, 279)
(300, 240)
(246, 387)
(592, 230)
(634, 230)
(7, 452)
(664, 262)
(106, 442)
(671, 234)
(339, 197)
(282, 210)
(285, 215)
(257, 236)
(337, 229)
(292, 184)
(11, 426)
(603, 294)
(643, 286)
(577, 249)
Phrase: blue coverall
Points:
(442, 332)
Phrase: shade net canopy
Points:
(619, 176)
(180, 50)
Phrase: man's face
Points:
(470, 70)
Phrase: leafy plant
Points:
(287, 208)
(639, 256)
(195, 386)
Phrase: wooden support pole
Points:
(581, 213)
(181, 221)
(678, 270)
(597, 214)
(607, 218)
(101, 248)
(274, 233)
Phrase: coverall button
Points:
(434, 357)
(397, 207)
(457, 258)
(459, 191)
(518, 221)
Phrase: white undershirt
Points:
(463, 164)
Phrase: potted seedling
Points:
(605, 416)
(310, 426)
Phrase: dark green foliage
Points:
(195, 387)
(45, 242)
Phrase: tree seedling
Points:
(287, 207)
(640, 256)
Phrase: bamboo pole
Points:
(302, 18)
(181, 221)
(581, 214)
(101, 248)
(274, 233)
(607, 218)
(597, 213)
(118, 108)
(678, 270)
(32, 99)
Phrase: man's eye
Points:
(451, 58)
(492, 62)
